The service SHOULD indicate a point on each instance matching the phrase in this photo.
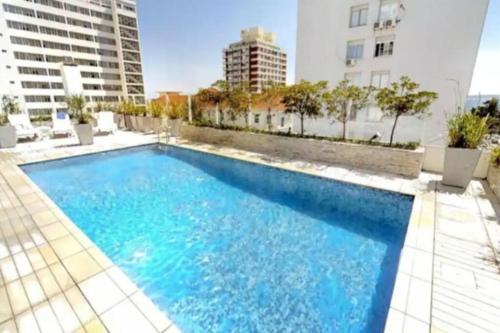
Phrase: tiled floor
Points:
(54, 279)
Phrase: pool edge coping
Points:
(402, 316)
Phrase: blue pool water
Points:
(227, 246)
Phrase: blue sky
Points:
(182, 40)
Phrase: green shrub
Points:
(495, 156)
(466, 130)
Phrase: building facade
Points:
(375, 42)
(255, 59)
(53, 48)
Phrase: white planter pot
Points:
(175, 125)
(7, 136)
(459, 166)
(85, 134)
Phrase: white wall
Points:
(436, 44)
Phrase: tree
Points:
(156, 108)
(404, 99)
(217, 95)
(271, 97)
(9, 105)
(491, 110)
(240, 101)
(305, 99)
(76, 104)
(345, 99)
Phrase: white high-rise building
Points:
(375, 42)
(53, 48)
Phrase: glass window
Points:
(354, 78)
(359, 16)
(380, 79)
(256, 118)
(355, 50)
(384, 46)
(388, 10)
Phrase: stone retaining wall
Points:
(403, 162)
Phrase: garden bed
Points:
(404, 162)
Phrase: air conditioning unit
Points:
(390, 24)
(350, 62)
(378, 25)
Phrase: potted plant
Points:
(466, 132)
(157, 111)
(147, 120)
(175, 113)
(8, 137)
(83, 128)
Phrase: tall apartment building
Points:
(53, 48)
(375, 42)
(255, 59)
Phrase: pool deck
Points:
(54, 279)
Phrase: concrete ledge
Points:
(494, 180)
(398, 161)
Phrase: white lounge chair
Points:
(105, 122)
(61, 124)
(22, 123)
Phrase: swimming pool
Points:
(222, 245)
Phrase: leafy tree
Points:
(156, 108)
(491, 110)
(217, 95)
(404, 99)
(305, 99)
(176, 110)
(9, 105)
(76, 104)
(346, 99)
(240, 101)
(271, 97)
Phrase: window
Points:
(384, 46)
(56, 85)
(355, 50)
(82, 49)
(54, 32)
(56, 46)
(107, 53)
(110, 76)
(104, 40)
(86, 62)
(60, 99)
(25, 41)
(18, 10)
(92, 87)
(51, 58)
(54, 72)
(37, 99)
(90, 75)
(380, 79)
(388, 10)
(359, 16)
(22, 26)
(282, 122)
(52, 3)
(32, 71)
(111, 87)
(256, 118)
(104, 16)
(76, 9)
(104, 28)
(79, 23)
(50, 17)
(35, 85)
(354, 78)
(28, 56)
(77, 35)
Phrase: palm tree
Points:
(76, 104)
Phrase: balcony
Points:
(385, 24)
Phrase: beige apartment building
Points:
(255, 59)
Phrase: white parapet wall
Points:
(398, 161)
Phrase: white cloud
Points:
(486, 79)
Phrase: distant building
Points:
(53, 48)
(167, 97)
(255, 59)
